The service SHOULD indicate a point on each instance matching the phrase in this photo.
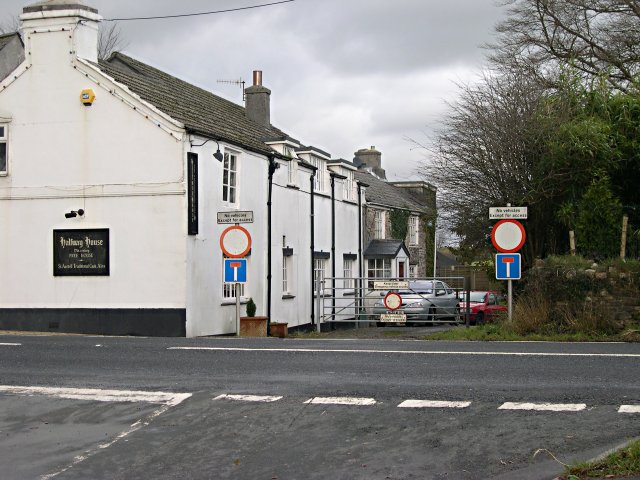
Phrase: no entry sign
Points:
(235, 242)
(508, 236)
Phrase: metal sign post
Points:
(237, 310)
(508, 236)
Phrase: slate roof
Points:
(199, 110)
(6, 38)
(385, 248)
(383, 193)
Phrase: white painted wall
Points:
(124, 171)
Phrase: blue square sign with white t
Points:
(508, 266)
(235, 270)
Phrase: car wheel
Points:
(457, 317)
(381, 324)
(432, 314)
(479, 318)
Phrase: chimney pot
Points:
(257, 78)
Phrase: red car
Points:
(484, 306)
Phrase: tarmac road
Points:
(309, 409)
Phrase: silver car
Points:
(424, 301)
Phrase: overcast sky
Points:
(344, 74)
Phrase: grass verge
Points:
(619, 464)
(498, 332)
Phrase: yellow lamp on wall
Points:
(87, 97)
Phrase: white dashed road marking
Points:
(341, 401)
(432, 404)
(629, 409)
(10, 344)
(98, 395)
(249, 398)
(544, 407)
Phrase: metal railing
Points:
(392, 301)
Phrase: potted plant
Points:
(252, 326)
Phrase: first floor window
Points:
(413, 230)
(293, 172)
(378, 268)
(348, 274)
(379, 225)
(230, 178)
(319, 273)
(3, 149)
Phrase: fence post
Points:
(467, 307)
(318, 300)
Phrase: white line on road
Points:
(629, 409)
(544, 407)
(249, 398)
(411, 352)
(10, 344)
(341, 401)
(166, 398)
(432, 404)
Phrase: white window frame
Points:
(229, 291)
(379, 224)
(4, 140)
(349, 192)
(414, 222)
(348, 274)
(292, 170)
(319, 271)
(379, 268)
(287, 269)
(230, 190)
(320, 184)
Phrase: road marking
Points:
(432, 404)
(544, 407)
(249, 398)
(411, 352)
(629, 409)
(340, 401)
(165, 398)
(10, 344)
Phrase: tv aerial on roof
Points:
(235, 82)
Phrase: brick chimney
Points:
(258, 102)
(54, 29)
(370, 160)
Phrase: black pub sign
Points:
(81, 252)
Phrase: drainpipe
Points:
(273, 166)
(313, 289)
(333, 248)
(360, 260)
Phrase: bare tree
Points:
(596, 37)
(110, 40)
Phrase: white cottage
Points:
(112, 175)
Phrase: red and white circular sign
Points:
(508, 236)
(235, 242)
(392, 301)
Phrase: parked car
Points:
(424, 301)
(484, 306)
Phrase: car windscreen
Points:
(418, 287)
(475, 297)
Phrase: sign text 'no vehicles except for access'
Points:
(501, 213)
(230, 218)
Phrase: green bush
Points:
(251, 308)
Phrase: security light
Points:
(74, 213)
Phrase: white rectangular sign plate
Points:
(393, 317)
(390, 285)
(503, 213)
(230, 218)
